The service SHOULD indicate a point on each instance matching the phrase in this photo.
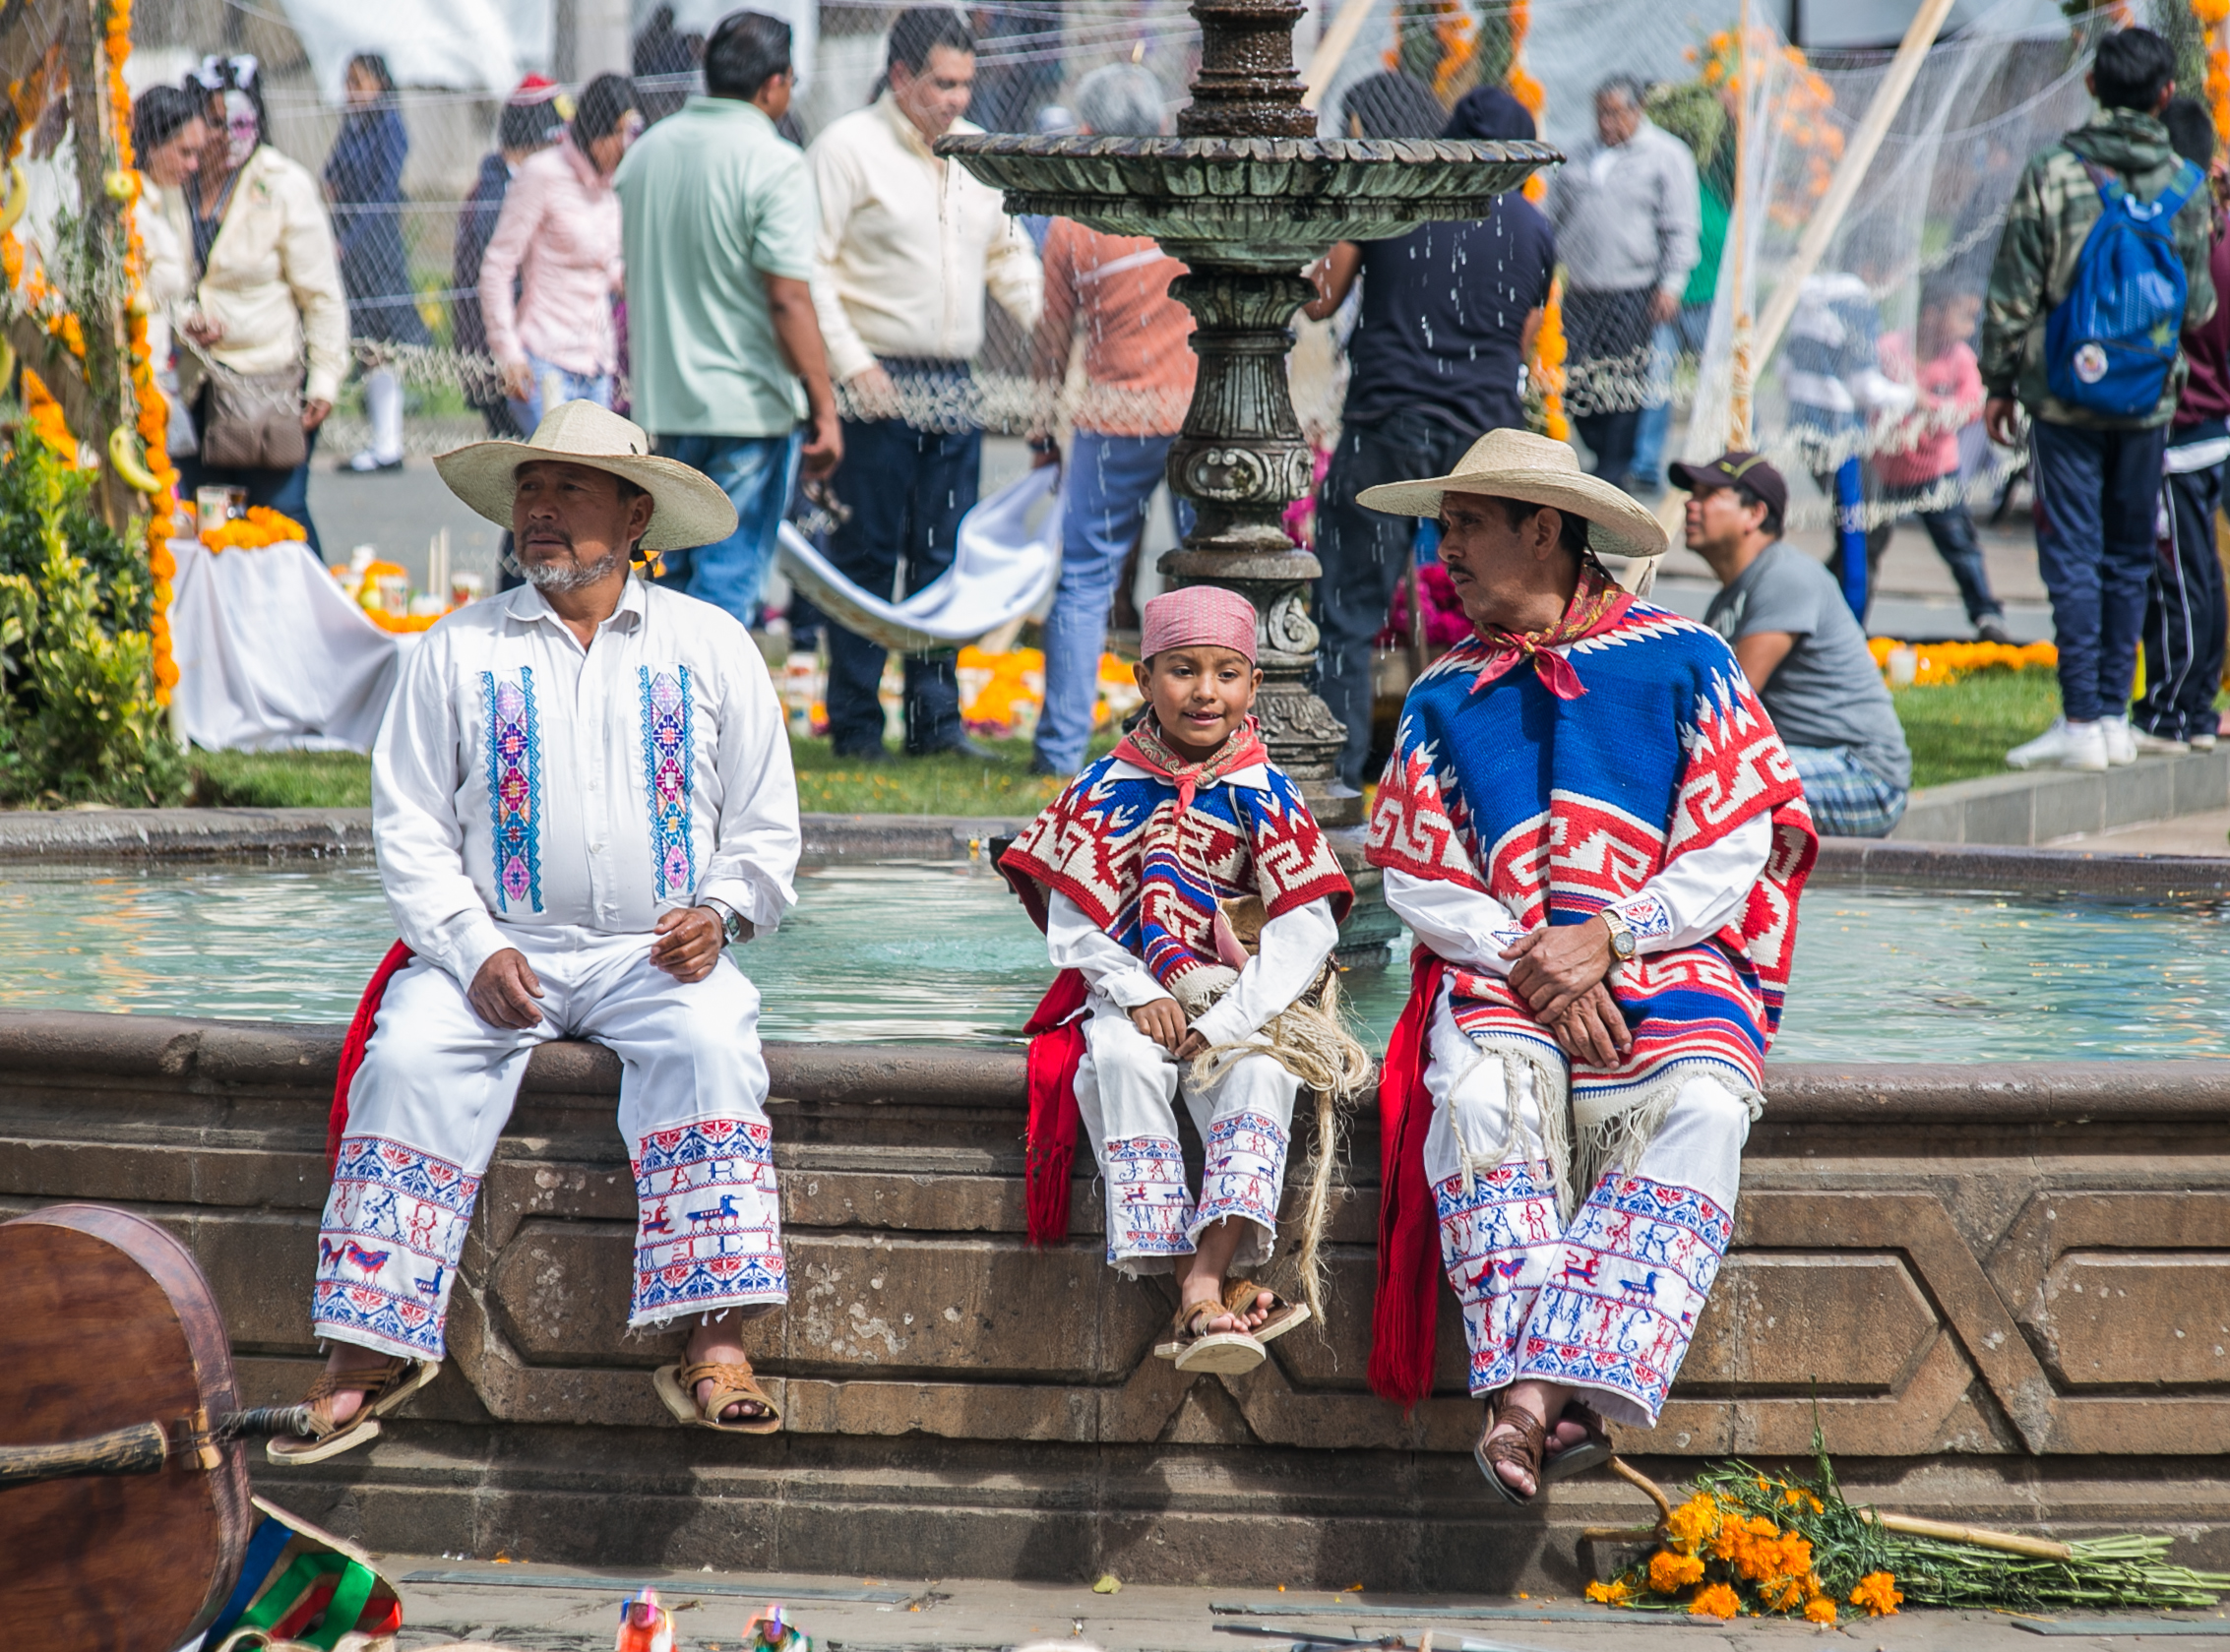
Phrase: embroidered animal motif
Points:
(726, 1212)
(655, 1219)
(349, 1251)
(431, 1288)
(1575, 1269)
(1643, 1288)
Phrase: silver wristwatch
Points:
(1621, 938)
(734, 926)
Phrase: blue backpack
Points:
(2110, 344)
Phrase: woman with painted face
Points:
(268, 328)
(363, 180)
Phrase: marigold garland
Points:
(2210, 15)
(261, 526)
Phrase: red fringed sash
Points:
(1056, 1049)
(1404, 1318)
(352, 1047)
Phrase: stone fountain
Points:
(1246, 196)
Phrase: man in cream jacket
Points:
(908, 246)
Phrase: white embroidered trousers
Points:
(1126, 1090)
(1606, 1303)
(429, 1105)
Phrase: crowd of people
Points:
(799, 323)
(1597, 816)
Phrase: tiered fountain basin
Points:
(2006, 1273)
(1260, 203)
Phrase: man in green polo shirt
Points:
(726, 354)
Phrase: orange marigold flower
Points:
(1692, 1523)
(1670, 1573)
(1718, 1600)
(1819, 1609)
(1609, 1594)
(1878, 1592)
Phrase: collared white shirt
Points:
(519, 778)
(908, 243)
(1293, 948)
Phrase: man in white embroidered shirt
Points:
(582, 795)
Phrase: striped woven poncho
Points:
(1557, 806)
(1145, 845)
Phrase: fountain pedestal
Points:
(1246, 198)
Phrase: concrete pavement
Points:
(552, 1609)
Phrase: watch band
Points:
(731, 921)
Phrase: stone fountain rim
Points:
(1374, 151)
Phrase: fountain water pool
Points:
(915, 951)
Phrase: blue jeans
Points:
(572, 387)
(1110, 483)
(2097, 500)
(907, 490)
(756, 473)
(1684, 335)
(1846, 798)
(1364, 555)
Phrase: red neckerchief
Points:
(1596, 606)
(1145, 747)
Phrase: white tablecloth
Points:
(271, 655)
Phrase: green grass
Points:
(281, 779)
(940, 786)
(1955, 734)
(1965, 729)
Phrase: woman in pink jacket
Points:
(559, 240)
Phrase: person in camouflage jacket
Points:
(2049, 218)
(2097, 478)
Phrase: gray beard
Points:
(549, 576)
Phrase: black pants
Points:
(2183, 615)
(1365, 554)
(1611, 334)
(907, 490)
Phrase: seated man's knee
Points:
(1710, 1111)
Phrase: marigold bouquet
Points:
(261, 526)
(1751, 1544)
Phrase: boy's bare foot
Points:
(346, 1356)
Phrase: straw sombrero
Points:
(689, 507)
(1517, 465)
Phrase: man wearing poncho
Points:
(1144, 873)
(1594, 831)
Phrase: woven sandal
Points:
(732, 1380)
(384, 1386)
(1522, 1448)
(1239, 1298)
(1194, 1348)
(1591, 1453)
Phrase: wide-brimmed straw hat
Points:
(689, 507)
(1517, 465)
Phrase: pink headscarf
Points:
(1194, 615)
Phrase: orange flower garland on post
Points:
(2210, 15)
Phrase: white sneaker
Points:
(2065, 745)
(2151, 745)
(2121, 741)
(2201, 742)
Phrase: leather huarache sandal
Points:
(1590, 1453)
(385, 1386)
(1239, 1299)
(732, 1380)
(1521, 1448)
(1196, 1348)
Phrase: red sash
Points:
(352, 1047)
(1056, 1050)
(1405, 1319)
